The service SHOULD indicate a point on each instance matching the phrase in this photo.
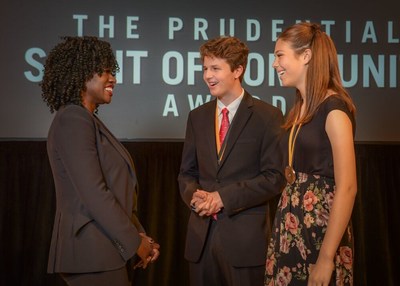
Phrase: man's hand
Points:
(206, 203)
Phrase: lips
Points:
(109, 89)
(212, 84)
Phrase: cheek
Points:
(284, 64)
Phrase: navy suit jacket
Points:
(95, 226)
(248, 176)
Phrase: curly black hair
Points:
(70, 64)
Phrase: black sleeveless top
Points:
(312, 151)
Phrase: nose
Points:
(206, 73)
(275, 63)
(112, 78)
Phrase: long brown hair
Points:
(322, 73)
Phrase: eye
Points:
(109, 71)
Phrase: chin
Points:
(213, 93)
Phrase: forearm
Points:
(339, 130)
(339, 218)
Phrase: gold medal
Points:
(290, 174)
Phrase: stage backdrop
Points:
(157, 42)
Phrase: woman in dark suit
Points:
(96, 229)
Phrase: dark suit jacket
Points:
(247, 178)
(95, 227)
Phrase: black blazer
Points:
(248, 176)
(95, 226)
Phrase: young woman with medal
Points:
(312, 242)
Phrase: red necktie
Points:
(224, 125)
(222, 133)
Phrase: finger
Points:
(195, 200)
(214, 209)
(138, 265)
(193, 206)
(155, 255)
(198, 195)
(201, 207)
(211, 208)
(203, 213)
(145, 263)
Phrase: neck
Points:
(88, 106)
(229, 98)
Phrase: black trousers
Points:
(213, 269)
(117, 277)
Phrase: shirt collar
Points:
(233, 106)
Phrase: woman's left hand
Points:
(321, 272)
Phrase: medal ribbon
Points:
(292, 141)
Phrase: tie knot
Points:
(225, 111)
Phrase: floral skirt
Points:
(299, 227)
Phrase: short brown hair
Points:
(231, 49)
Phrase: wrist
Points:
(325, 258)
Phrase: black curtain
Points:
(27, 205)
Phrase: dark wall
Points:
(27, 205)
(161, 73)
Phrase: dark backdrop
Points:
(168, 80)
(27, 205)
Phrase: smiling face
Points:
(291, 67)
(99, 90)
(221, 80)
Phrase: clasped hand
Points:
(148, 251)
(206, 203)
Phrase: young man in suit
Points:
(231, 166)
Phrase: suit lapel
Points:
(116, 144)
(209, 127)
(239, 122)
